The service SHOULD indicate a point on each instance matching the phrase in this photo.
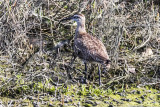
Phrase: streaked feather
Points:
(90, 48)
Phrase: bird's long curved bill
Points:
(68, 18)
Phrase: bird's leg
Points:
(99, 73)
(70, 65)
(73, 59)
(85, 72)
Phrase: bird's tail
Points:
(107, 63)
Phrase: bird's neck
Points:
(81, 28)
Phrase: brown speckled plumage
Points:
(88, 47)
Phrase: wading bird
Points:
(87, 47)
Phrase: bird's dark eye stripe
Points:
(76, 17)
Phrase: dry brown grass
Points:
(31, 39)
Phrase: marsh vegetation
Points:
(36, 50)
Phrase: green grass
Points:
(89, 95)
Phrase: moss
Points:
(87, 105)
(95, 96)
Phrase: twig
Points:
(144, 43)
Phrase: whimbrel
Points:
(87, 47)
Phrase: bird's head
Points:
(79, 18)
